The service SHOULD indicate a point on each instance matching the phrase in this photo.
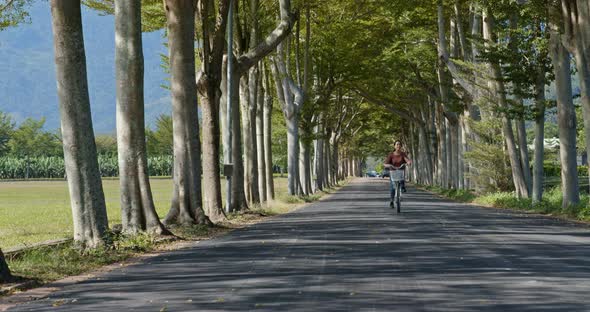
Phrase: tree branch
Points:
(5, 6)
(249, 59)
(383, 103)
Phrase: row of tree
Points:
(29, 139)
(235, 93)
(465, 76)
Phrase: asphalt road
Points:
(350, 252)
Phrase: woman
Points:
(394, 160)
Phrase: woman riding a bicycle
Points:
(396, 160)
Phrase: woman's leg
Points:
(391, 189)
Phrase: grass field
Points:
(37, 211)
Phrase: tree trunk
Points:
(213, 19)
(319, 158)
(293, 154)
(539, 135)
(291, 98)
(137, 206)
(224, 122)
(186, 200)
(334, 161)
(253, 81)
(442, 149)
(86, 194)
(238, 194)
(455, 176)
(433, 139)
(5, 274)
(304, 158)
(448, 155)
(247, 138)
(576, 15)
(460, 153)
(260, 140)
(270, 189)
(427, 154)
(566, 121)
(524, 153)
(327, 164)
(211, 168)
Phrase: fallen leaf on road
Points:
(58, 303)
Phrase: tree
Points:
(6, 129)
(251, 51)
(159, 141)
(566, 119)
(106, 145)
(213, 25)
(86, 194)
(186, 206)
(12, 12)
(575, 26)
(29, 140)
(498, 94)
(138, 212)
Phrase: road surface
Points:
(350, 252)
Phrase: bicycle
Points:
(396, 176)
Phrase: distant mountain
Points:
(27, 82)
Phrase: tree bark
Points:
(270, 189)
(238, 192)
(186, 200)
(260, 140)
(566, 120)
(304, 166)
(318, 158)
(327, 164)
(248, 140)
(137, 206)
(539, 135)
(86, 194)
(442, 149)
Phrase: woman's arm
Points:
(408, 160)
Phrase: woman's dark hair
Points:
(400, 142)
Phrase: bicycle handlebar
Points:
(392, 167)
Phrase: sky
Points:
(27, 82)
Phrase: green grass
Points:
(49, 263)
(550, 205)
(458, 195)
(36, 211)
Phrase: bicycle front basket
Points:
(398, 175)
